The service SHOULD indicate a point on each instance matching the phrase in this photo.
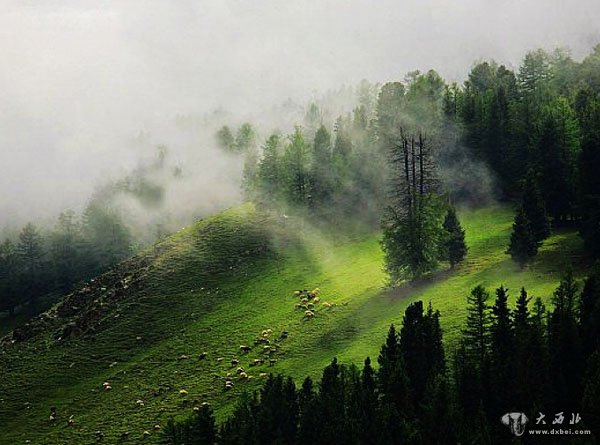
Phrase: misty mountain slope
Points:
(214, 287)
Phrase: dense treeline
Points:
(37, 264)
(537, 130)
(522, 360)
(40, 262)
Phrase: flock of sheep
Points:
(308, 301)
(268, 347)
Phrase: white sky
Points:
(78, 78)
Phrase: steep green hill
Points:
(213, 287)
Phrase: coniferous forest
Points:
(234, 241)
(536, 130)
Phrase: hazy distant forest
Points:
(406, 154)
(403, 160)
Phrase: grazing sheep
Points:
(52, 414)
(235, 362)
(327, 304)
(203, 355)
(182, 357)
(272, 361)
(310, 306)
(244, 348)
(71, 420)
(283, 335)
(262, 375)
(243, 375)
(157, 427)
(309, 314)
(317, 299)
(139, 402)
(220, 359)
(258, 362)
(304, 300)
(297, 293)
(183, 393)
(240, 370)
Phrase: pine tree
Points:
(368, 427)
(395, 403)
(245, 138)
(439, 420)
(534, 208)
(308, 425)
(277, 412)
(412, 229)
(531, 357)
(476, 331)
(295, 170)
(30, 251)
(9, 286)
(565, 344)
(420, 344)
(200, 428)
(270, 171)
(66, 251)
(332, 404)
(558, 148)
(589, 313)
(454, 247)
(321, 170)
(108, 239)
(225, 139)
(501, 353)
(393, 381)
(523, 245)
(591, 393)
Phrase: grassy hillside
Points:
(216, 286)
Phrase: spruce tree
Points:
(523, 245)
(295, 170)
(66, 251)
(412, 229)
(420, 344)
(476, 331)
(309, 416)
(454, 246)
(501, 352)
(439, 420)
(30, 251)
(565, 344)
(9, 290)
(591, 393)
(534, 208)
(225, 139)
(321, 169)
(394, 394)
(270, 171)
(202, 426)
(589, 312)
